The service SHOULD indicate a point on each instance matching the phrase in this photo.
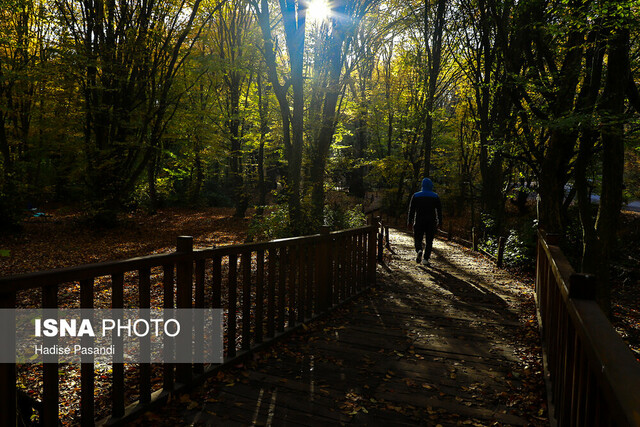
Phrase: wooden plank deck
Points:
(427, 346)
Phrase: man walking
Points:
(425, 215)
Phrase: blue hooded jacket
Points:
(425, 208)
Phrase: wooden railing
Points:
(267, 289)
(448, 234)
(594, 377)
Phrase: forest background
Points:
(305, 110)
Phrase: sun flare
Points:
(318, 10)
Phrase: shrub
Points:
(339, 218)
(520, 248)
(273, 224)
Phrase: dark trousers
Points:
(424, 232)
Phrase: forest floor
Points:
(625, 292)
(455, 343)
(64, 238)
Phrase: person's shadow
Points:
(476, 296)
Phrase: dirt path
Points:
(445, 344)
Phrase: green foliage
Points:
(519, 248)
(273, 224)
(339, 218)
(78, 148)
(488, 222)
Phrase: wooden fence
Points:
(498, 257)
(267, 290)
(594, 376)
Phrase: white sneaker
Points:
(425, 262)
(419, 257)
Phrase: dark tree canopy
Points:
(301, 108)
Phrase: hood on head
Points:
(427, 185)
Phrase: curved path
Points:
(439, 345)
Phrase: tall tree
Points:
(292, 113)
(24, 51)
(433, 35)
(478, 55)
(336, 35)
(131, 53)
(232, 34)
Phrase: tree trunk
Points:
(555, 165)
(435, 57)
(334, 62)
(293, 16)
(151, 181)
(321, 153)
(612, 132)
(263, 106)
(199, 178)
(235, 157)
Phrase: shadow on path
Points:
(427, 346)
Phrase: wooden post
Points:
(271, 293)
(87, 383)
(501, 242)
(310, 281)
(144, 298)
(360, 283)
(339, 274)
(246, 301)
(282, 283)
(259, 295)
(50, 391)
(301, 283)
(198, 368)
(322, 271)
(184, 284)
(326, 231)
(386, 236)
(293, 263)
(380, 245)
(169, 345)
(118, 388)
(371, 257)
(216, 282)
(232, 318)
(474, 238)
(349, 266)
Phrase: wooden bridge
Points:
(314, 336)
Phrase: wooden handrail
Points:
(21, 282)
(303, 277)
(38, 279)
(595, 378)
